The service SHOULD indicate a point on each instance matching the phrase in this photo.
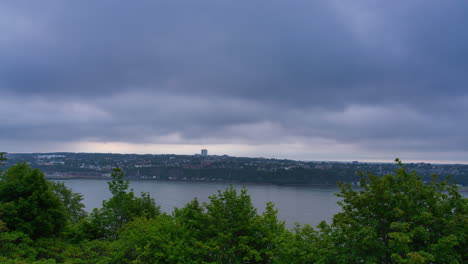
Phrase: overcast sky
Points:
(310, 80)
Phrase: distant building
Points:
(204, 152)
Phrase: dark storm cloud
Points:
(372, 73)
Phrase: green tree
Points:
(72, 201)
(235, 233)
(157, 240)
(28, 205)
(2, 160)
(16, 245)
(303, 245)
(120, 209)
(225, 230)
(399, 219)
(3, 226)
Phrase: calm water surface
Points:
(306, 205)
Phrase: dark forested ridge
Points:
(396, 218)
(221, 168)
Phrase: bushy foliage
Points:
(235, 233)
(159, 240)
(28, 205)
(2, 159)
(71, 201)
(120, 209)
(227, 229)
(399, 219)
(390, 219)
(16, 245)
(304, 244)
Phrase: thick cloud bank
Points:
(367, 80)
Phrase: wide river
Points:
(305, 205)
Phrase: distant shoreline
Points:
(226, 169)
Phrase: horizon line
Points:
(434, 162)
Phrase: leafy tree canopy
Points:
(72, 201)
(2, 160)
(399, 219)
(27, 203)
(120, 209)
(227, 229)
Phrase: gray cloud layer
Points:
(383, 76)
